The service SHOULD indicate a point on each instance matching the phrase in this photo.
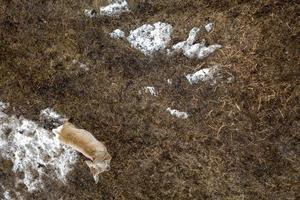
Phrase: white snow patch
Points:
(192, 36)
(116, 8)
(185, 46)
(177, 113)
(34, 151)
(117, 34)
(191, 50)
(209, 27)
(151, 38)
(90, 13)
(3, 105)
(151, 90)
(206, 51)
(50, 115)
(169, 81)
(7, 196)
(206, 74)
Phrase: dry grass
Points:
(242, 139)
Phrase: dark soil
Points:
(242, 139)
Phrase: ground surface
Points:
(242, 138)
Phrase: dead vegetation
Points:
(242, 139)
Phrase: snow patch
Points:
(11, 195)
(49, 115)
(151, 38)
(34, 151)
(117, 34)
(7, 196)
(205, 51)
(191, 50)
(206, 74)
(151, 90)
(90, 13)
(116, 8)
(192, 35)
(209, 27)
(177, 113)
(3, 105)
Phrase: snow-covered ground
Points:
(33, 150)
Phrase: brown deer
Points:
(84, 142)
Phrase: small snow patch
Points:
(151, 90)
(90, 13)
(206, 51)
(169, 81)
(34, 151)
(3, 105)
(48, 115)
(208, 27)
(117, 34)
(177, 113)
(191, 50)
(206, 74)
(151, 38)
(116, 8)
(7, 196)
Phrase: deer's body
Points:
(84, 142)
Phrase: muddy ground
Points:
(242, 138)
